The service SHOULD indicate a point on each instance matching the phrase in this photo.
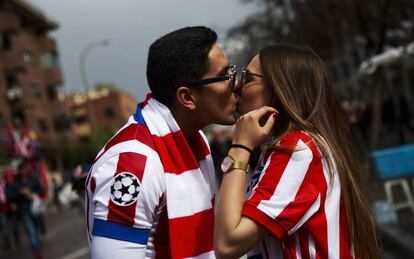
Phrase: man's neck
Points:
(188, 123)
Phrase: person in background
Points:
(4, 211)
(22, 192)
(9, 174)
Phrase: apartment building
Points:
(30, 73)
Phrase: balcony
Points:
(82, 130)
(9, 22)
(14, 94)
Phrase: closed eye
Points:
(249, 77)
(224, 71)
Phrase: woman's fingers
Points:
(270, 122)
(263, 111)
(257, 114)
(252, 128)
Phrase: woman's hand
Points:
(249, 131)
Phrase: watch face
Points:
(226, 164)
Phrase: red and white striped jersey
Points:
(298, 200)
(125, 196)
(148, 168)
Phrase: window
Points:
(42, 125)
(24, 22)
(5, 40)
(80, 119)
(109, 113)
(28, 58)
(62, 123)
(14, 91)
(51, 93)
(36, 90)
(11, 80)
(18, 118)
(49, 60)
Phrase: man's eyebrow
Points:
(224, 70)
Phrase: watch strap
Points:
(238, 164)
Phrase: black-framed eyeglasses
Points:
(244, 78)
(231, 77)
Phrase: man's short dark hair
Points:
(176, 58)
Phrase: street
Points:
(65, 239)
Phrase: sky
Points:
(130, 26)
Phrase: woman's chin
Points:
(243, 110)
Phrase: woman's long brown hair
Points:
(304, 97)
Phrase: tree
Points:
(343, 33)
(329, 27)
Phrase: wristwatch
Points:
(229, 163)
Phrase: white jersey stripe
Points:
(152, 187)
(297, 245)
(289, 183)
(103, 177)
(125, 146)
(187, 202)
(312, 248)
(162, 125)
(210, 177)
(332, 211)
(208, 255)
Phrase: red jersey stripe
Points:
(200, 151)
(162, 235)
(304, 243)
(270, 178)
(185, 240)
(132, 163)
(133, 131)
(180, 159)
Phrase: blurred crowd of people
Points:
(24, 185)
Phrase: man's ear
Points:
(186, 98)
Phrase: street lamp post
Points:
(85, 83)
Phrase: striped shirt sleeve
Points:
(124, 187)
(285, 196)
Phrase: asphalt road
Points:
(65, 238)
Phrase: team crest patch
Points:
(125, 189)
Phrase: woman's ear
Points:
(186, 98)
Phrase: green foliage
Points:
(70, 153)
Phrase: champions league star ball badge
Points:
(125, 189)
